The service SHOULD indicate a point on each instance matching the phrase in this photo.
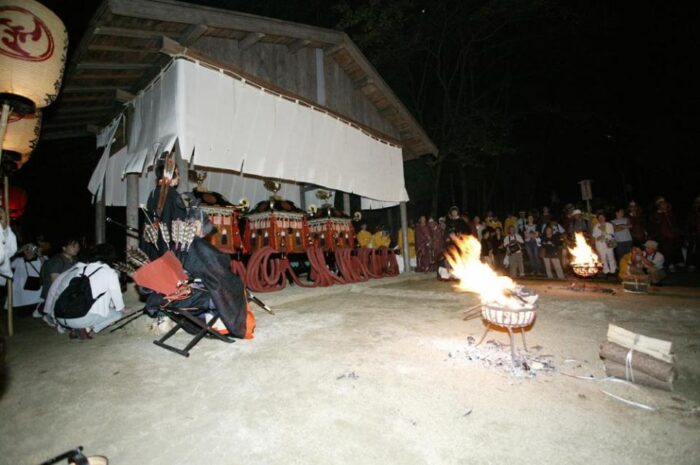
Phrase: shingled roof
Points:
(128, 42)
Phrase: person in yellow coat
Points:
(380, 239)
(411, 242)
(364, 237)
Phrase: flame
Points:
(583, 253)
(477, 277)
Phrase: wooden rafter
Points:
(250, 39)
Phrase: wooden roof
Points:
(128, 42)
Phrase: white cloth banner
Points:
(233, 125)
(232, 186)
(106, 138)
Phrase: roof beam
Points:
(388, 112)
(123, 96)
(250, 39)
(108, 76)
(69, 134)
(112, 66)
(81, 110)
(121, 48)
(364, 82)
(192, 33)
(170, 46)
(180, 12)
(87, 88)
(297, 45)
(87, 117)
(126, 32)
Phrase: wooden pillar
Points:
(100, 216)
(132, 207)
(4, 117)
(404, 233)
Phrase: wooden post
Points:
(132, 207)
(6, 201)
(100, 216)
(404, 233)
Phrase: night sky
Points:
(558, 92)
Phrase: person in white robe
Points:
(26, 288)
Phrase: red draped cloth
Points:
(438, 245)
(424, 249)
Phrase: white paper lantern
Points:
(33, 47)
(22, 135)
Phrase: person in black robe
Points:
(174, 208)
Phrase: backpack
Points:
(76, 299)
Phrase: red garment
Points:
(424, 252)
(438, 241)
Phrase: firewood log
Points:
(618, 371)
(644, 363)
(657, 348)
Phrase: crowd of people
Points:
(38, 281)
(628, 242)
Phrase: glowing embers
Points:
(585, 261)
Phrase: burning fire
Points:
(583, 254)
(477, 277)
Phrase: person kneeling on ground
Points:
(646, 264)
(103, 294)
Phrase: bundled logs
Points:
(639, 359)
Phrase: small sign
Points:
(586, 191)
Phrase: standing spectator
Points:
(522, 219)
(478, 227)
(552, 245)
(8, 247)
(604, 235)
(623, 235)
(424, 252)
(511, 220)
(26, 289)
(497, 248)
(637, 226)
(560, 231)
(663, 229)
(579, 223)
(544, 218)
(487, 247)
(455, 224)
(532, 244)
(437, 232)
(513, 243)
(492, 222)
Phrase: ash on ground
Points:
(496, 356)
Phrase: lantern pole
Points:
(6, 201)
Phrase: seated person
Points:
(26, 289)
(106, 289)
(643, 265)
(380, 238)
(363, 237)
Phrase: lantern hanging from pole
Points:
(33, 47)
(22, 136)
(18, 201)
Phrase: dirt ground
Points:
(365, 374)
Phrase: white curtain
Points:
(231, 124)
